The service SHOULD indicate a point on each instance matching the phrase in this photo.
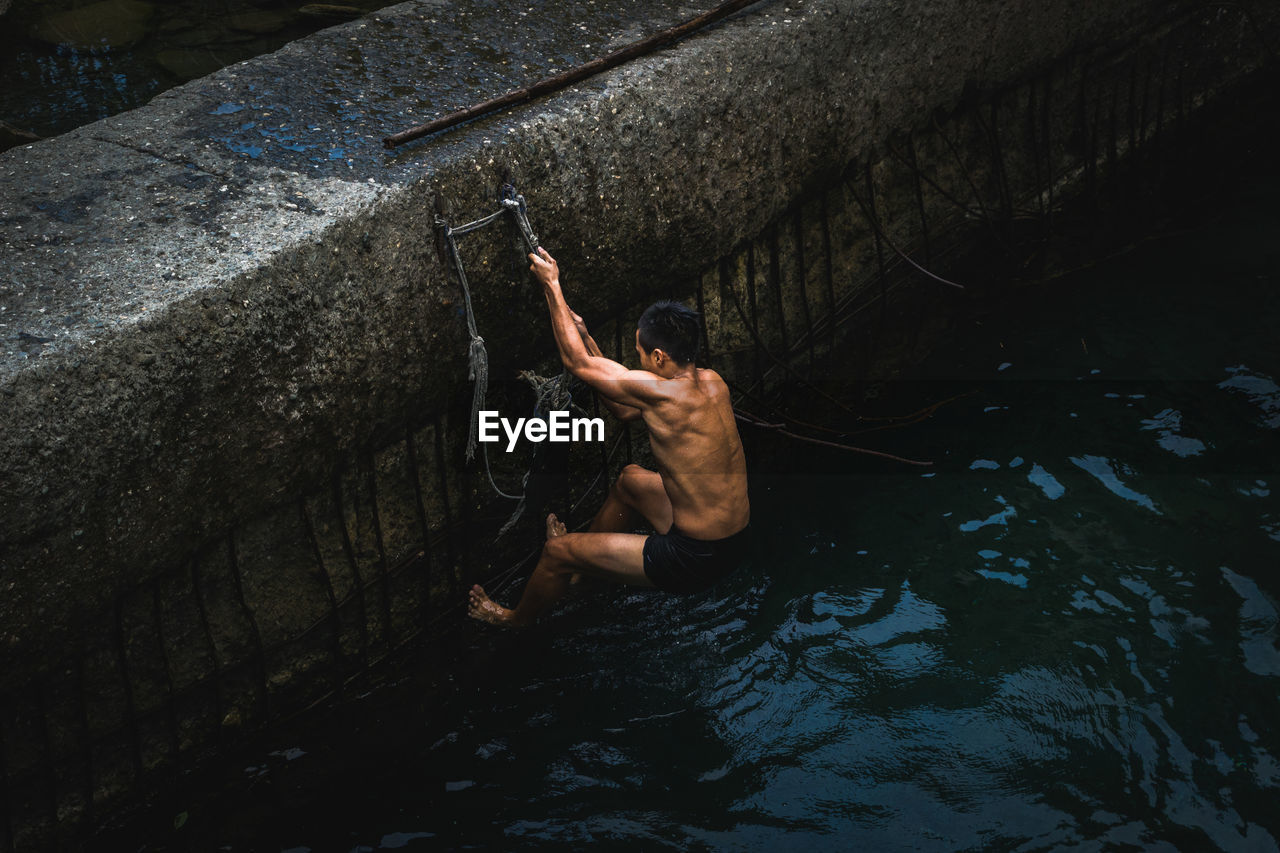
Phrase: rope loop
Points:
(551, 394)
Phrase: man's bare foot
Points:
(484, 609)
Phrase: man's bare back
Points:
(695, 443)
(696, 501)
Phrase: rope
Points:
(477, 355)
(549, 394)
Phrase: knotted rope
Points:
(550, 394)
(477, 355)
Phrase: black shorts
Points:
(675, 562)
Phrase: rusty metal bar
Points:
(356, 578)
(702, 321)
(992, 132)
(567, 78)
(420, 511)
(135, 736)
(617, 349)
(1144, 107)
(1089, 132)
(802, 278)
(828, 271)
(466, 512)
(604, 453)
(773, 281)
(1033, 138)
(978, 199)
(914, 164)
(1157, 136)
(335, 616)
(882, 272)
(1133, 106)
(450, 535)
(754, 317)
(1113, 129)
(1047, 136)
(86, 734)
(171, 712)
(260, 656)
(384, 587)
(218, 698)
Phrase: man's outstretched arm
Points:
(620, 411)
(632, 388)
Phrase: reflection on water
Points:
(1065, 635)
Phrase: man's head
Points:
(667, 336)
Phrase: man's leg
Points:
(636, 491)
(617, 557)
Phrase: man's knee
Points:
(559, 552)
(628, 482)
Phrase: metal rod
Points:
(218, 698)
(1033, 136)
(968, 177)
(1089, 131)
(567, 78)
(1113, 130)
(420, 510)
(86, 731)
(465, 502)
(384, 587)
(1047, 136)
(781, 429)
(356, 580)
(135, 738)
(1133, 107)
(171, 711)
(617, 349)
(604, 452)
(1144, 109)
(1158, 133)
(455, 558)
(828, 270)
(335, 617)
(802, 278)
(873, 219)
(774, 281)
(751, 303)
(702, 322)
(914, 163)
(992, 132)
(260, 656)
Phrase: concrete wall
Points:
(233, 389)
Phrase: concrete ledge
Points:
(206, 332)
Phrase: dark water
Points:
(78, 69)
(1066, 635)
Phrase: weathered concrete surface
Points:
(194, 338)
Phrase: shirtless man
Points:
(696, 500)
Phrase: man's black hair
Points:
(672, 327)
